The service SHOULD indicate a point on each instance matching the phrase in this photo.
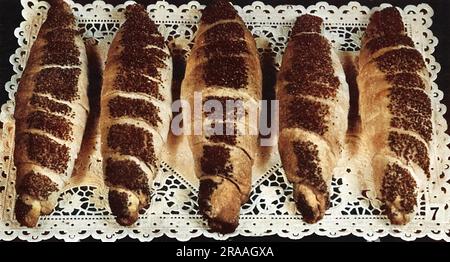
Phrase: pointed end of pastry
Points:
(57, 6)
(312, 206)
(220, 204)
(224, 5)
(399, 194)
(138, 20)
(135, 9)
(124, 205)
(60, 3)
(396, 216)
(385, 22)
(307, 24)
(218, 10)
(397, 213)
(59, 16)
(28, 211)
(222, 227)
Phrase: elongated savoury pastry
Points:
(223, 67)
(314, 104)
(51, 112)
(135, 113)
(395, 112)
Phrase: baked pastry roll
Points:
(223, 67)
(50, 114)
(314, 105)
(396, 113)
(135, 113)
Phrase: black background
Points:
(10, 18)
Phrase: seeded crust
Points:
(55, 125)
(51, 110)
(218, 10)
(399, 193)
(307, 24)
(223, 65)
(49, 105)
(37, 185)
(386, 22)
(135, 113)
(141, 109)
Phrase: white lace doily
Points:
(82, 210)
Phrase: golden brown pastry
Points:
(395, 112)
(314, 104)
(223, 66)
(135, 113)
(51, 111)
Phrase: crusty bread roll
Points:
(51, 111)
(223, 66)
(396, 113)
(314, 104)
(135, 113)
